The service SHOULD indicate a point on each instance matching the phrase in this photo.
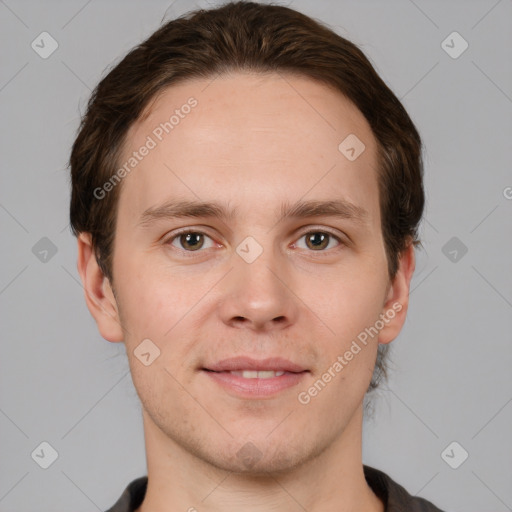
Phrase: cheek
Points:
(160, 308)
(349, 303)
(349, 349)
(156, 310)
(152, 302)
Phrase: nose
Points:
(258, 295)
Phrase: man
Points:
(246, 193)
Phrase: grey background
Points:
(451, 379)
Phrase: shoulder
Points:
(132, 496)
(394, 496)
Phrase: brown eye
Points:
(190, 241)
(319, 240)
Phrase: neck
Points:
(332, 481)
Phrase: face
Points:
(283, 272)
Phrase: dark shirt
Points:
(393, 495)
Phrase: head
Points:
(247, 106)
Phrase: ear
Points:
(397, 300)
(98, 292)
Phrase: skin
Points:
(253, 142)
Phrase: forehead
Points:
(247, 134)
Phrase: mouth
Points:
(250, 378)
(253, 374)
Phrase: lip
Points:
(248, 363)
(255, 388)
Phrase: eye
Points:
(194, 241)
(190, 241)
(319, 240)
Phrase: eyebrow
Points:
(338, 208)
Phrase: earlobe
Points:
(397, 299)
(99, 296)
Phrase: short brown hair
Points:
(244, 36)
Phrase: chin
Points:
(259, 457)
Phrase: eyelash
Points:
(176, 235)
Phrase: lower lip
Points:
(256, 388)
